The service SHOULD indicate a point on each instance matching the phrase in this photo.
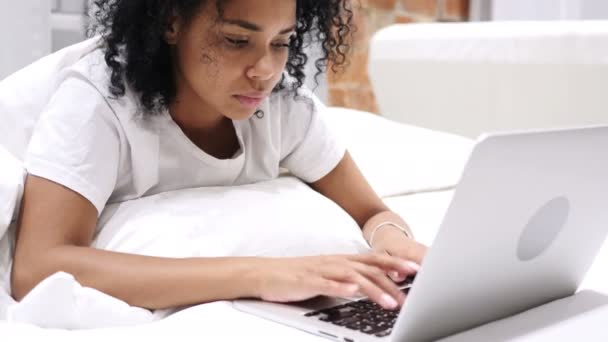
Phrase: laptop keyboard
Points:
(362, 315)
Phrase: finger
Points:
(399, 275)
(333, 288)
(366, 286)
(412, 250)
(394, 275)
(379, 278)
(385, 262)
(414, 268)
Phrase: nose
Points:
(263, 68)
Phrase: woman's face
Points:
(229, 64)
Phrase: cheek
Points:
(209, 72)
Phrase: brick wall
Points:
(351, 87)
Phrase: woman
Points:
(191, 93)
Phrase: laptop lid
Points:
(525, 223)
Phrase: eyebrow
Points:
(253, 27)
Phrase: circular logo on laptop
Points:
(543, 228)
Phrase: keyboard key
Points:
(363, 315)
(384, 333)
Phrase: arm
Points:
(54, 233)
(347, 186)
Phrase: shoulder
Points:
(92, 70)
(91, 78)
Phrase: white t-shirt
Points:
(103, 148)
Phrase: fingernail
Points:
(396, 276)
(388, 301)
(412, 265)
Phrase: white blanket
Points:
(58, 301)
(12, 176)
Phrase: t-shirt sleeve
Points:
(76, 142)
(310, 150)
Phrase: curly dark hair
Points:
(142, 57)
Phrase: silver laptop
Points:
(525, 223)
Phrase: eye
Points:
(283, 44)
(239, 43)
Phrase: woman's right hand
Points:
(301, 278)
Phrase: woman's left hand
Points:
(391, 240)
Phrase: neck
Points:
(193, 118)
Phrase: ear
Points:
(172, 32)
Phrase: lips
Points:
(252, 100)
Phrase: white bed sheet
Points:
(217, 321)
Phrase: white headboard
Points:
(468, 78)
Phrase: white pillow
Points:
(281, 217)
(24, 94)
(400, 159)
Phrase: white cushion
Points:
(24, 94)
(397, 158)
(281, 217)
